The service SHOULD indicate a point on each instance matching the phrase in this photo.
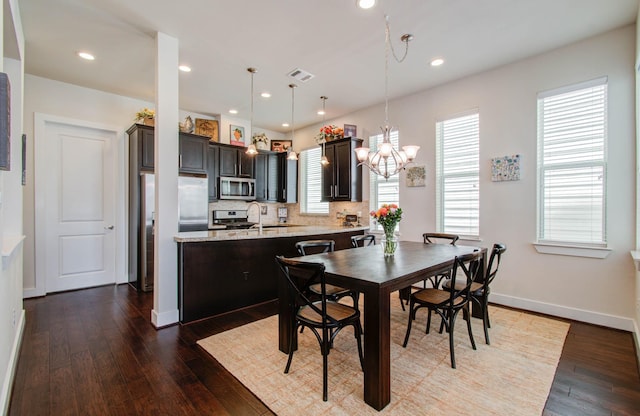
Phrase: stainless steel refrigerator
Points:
(193, 207)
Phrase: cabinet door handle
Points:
(180, 161)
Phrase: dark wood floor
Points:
(94, 352)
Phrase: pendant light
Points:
(378, 162)
(251, 149)
(323, 161)
(291, 154)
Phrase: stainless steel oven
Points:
(237, 188)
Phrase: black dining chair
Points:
(447, 304)
(479, 291)
(363, 240)
(324, 317)
(325, 246)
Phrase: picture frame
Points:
(505, 168)
(236, 135)
(5, 122)
(350, 130)
(209, 128)
(281, 145)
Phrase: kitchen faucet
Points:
(259, 214)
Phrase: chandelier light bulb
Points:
(362, 153)
(411, 151)
(385, 149)
(324, 160)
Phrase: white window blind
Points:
(310, 182)
(458, 175)
(572, 126)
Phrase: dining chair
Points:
(447, 304)
(325, 246)
(324, 317)
(363, 240)
(479, 291)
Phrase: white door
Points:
(77, 182)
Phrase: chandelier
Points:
(387, 161)
(251, 149)
(323, 160)
(291, 154)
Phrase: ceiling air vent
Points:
(300, 75)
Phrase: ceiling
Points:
(341, 45)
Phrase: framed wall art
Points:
(505, 168)
(416, 176)
(280, 145)
(5, 122)
(208, 128)
(236, 135)
(350, 130)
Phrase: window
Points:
(572, 124)
(383, 191)
(311, 182)
(458, 175)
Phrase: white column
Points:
(165, 263)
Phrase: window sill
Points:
(569, 250)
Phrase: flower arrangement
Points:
(388, 215)
(330, 132)
(145, 113)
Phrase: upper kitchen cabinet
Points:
(267, 177)
(342, 177)
(192, 149)
(287, 179)
(213, 171)
(193, 153)
(235, 162)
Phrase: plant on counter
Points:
(388, 215)
(330, 132)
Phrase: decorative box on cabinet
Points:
(342, 177)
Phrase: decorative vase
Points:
(261, 146)
(389, 242)
(149, 121)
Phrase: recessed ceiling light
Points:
(265, 95)
(233, 111)
(184, 68)
(437, 62)
(285, 124)
(366, 4)
(321, 113)
(86, 55)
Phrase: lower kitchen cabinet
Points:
(220, 276)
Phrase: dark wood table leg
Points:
(377, 353)
(284, 316)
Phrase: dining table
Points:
(375, 276)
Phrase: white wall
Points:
(598, 291)
(11, 238)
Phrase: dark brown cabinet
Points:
(342, 177)
(287, 179)
(267, 176)
(193, 153)
(213, 171)
(192, 150)
(235, 162)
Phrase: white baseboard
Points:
(7, 385)
(611, 321)
(160, 320)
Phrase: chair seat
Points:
(476, 288)
(331, 290)
(335, 310)
(434, 297)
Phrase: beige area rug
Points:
(512, 376)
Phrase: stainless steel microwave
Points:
(237, 188)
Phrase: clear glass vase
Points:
(389, 244)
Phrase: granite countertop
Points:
(269, 232)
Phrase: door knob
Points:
(109, 227)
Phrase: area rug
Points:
(512, 376)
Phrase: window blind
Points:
(458, 175)
(310, 182)
(572, 125)
(383, 191)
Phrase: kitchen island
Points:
(221, 271)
